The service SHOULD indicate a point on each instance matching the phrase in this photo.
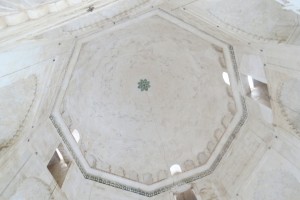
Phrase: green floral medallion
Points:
(144, 85)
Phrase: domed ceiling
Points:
(147, 94)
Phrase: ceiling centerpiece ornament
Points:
(144, 85)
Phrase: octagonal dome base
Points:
(147, 94)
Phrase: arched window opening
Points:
(226, 78)
(76, 135)
(175, 169)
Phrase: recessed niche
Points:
(258, 92)
(187, 195)
(59, 165)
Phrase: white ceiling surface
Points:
(147, 131)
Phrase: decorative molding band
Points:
(165, 188)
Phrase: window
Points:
(259, 91)
(175, 169)
(226, 78)
(59, 165)
(76, 135)
(61, 158)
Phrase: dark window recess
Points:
(59, 165)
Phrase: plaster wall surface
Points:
(263, 161)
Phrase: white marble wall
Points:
(29, 75)
(264, 159)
